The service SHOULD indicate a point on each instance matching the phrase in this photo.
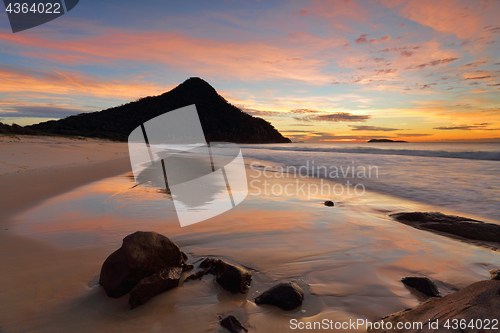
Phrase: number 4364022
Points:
(40, 8)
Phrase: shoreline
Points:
(55, 165)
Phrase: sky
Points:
(318, 70)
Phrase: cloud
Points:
(336, 10)
(364, 40)
(293, 58)
(372, 128)
(412, 135)
(336, 117)
(302, 111)
(38, 111)
(26, 81)
(334, 138)
(263, 113)
(479, 77)
(481, 126)
(463, 18)
(434, 63)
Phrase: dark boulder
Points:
(232, 324)
(454, 225)
(155, 284)
(230, 277)
(141, 255)
(285, 295)
(329, 203)
(422, 284)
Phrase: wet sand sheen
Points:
(348, 259)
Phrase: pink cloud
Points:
(364, 40)
(463, 18)
(339, 9)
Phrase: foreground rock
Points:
(329, 203)
(232, 324)
(141, 255)
(450, 224)
(477, 302)
(155, 284)
(230, 277)
(285, 295)
(422, 284)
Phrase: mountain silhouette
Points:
(220, 120)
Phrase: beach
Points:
(67, 204)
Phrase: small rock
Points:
(232, 324)
(184, 256)
(329, 203)
(153, 285)
(495, 274)
(423, 285)
(141, 255)
(285, 295)
(230, 277)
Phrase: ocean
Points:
(463, 177)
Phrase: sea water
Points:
(463, 177)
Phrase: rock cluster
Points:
(148, 264)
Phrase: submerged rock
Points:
(450, 224)
(155, 284)
(495, 274)
(423, 285)
(232, 324)
(285, 295)
(329, 203)
(141, 255)
(477, 302)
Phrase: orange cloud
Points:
(58, 83)
(206, 57)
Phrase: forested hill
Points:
(220, 120)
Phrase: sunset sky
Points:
(319, 70)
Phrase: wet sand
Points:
(348, 259)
